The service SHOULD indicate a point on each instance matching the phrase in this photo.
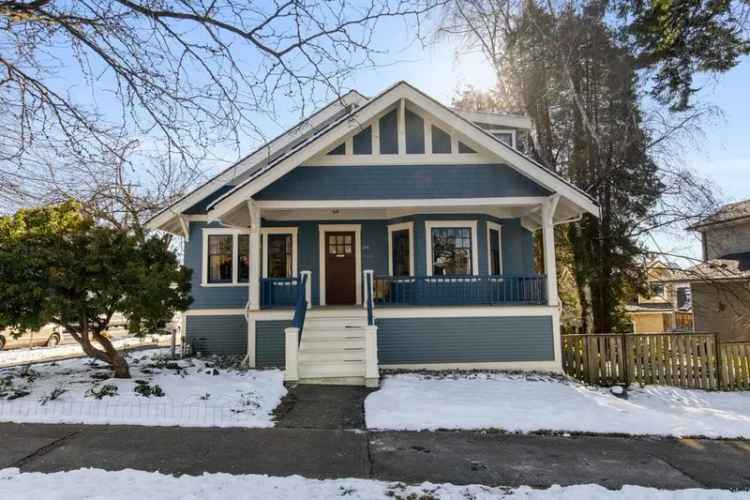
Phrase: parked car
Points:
(48, 336)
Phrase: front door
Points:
(341, 270)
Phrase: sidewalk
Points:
(455, 457)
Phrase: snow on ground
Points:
(126, 484)
(191, 392)
(526, 403)
(12, 357)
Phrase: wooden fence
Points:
(689, 360)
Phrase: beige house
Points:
(667, 308)
(721, 283)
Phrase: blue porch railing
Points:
(279, 292)
(527, 289)
(300, 307)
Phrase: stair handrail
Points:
(300, 307)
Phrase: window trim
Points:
(463, 224)
(403, 226)
(219, 231)
(264, 232)
(497, 227)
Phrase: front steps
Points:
(333, 348)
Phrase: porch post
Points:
(548, 243)
(255, 257)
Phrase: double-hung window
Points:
(401, 249)
(220, 258)
(280, 252)
(226, 257)
(452, 248)
(494, 249)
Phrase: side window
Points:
(494, 247)
(280, 263)
(220, 258)
(401, 252)
(243, 258)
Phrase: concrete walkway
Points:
(455, 457)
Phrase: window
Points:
(401, 249)
(453, 248)
(506, 136)
(362, 142)
(243, 258)
(280, 256)
(389, 134)
(220, 258)
(464, 149)
(338, 150)
(279, 251)
(494, 249)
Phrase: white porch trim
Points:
(510, 201)
(322, 229)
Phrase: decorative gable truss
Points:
(402, 134)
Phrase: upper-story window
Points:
(505, 135)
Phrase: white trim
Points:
(322, 229)
(515, 201)
(429, 225)
(463, 311)
(251, 354)
(498, 119)
(537, 366)
(448, 159)
(385, 100)
(214, 231)
(268, 149)
(214, 312)
(265, 231)
(497, 227)
(409, 226)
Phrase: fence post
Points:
(719, 376)
(625, 359)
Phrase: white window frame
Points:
(404, 226)
(510, 131)
(497, 227)
(220, 231)
(264, 232)
(333, 228)
(437, 224)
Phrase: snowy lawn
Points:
(527, 403)
(188, 392)
(126, 484)
(12, 357)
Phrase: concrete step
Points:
(331, 343)
(333, 332)
(329, 323)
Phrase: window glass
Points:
(220, 258)
(338, 150)
(506, 137)
(414, 133)
(451, 250)
(495, 267)
(280, 256)
(463, 148)
(400, 252)
(243, 258)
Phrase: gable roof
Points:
(326, 137)
(733, 212)
(198, 200)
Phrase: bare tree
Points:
(92, 89)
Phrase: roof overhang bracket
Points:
(185, 225)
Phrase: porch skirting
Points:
(436, 338)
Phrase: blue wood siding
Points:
(400, 182)
(269, 343)
(217, 334)
(215, 297)
(465, 340)
(517, 248)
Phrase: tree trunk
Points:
(116, 360)
(109, 355)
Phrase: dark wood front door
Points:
(341, 268)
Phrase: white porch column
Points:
(255, 257)
(291, 352)
(548, 244)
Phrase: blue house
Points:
(384, 232)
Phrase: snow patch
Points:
(127, 484)
(520, 403)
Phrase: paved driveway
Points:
(455, 457)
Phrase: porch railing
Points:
(279, 292)
(300, 306)
(526, 289)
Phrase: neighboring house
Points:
(411, 226)
(668, 306)
(721, 283)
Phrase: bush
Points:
(107, 390)
(146, 390)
